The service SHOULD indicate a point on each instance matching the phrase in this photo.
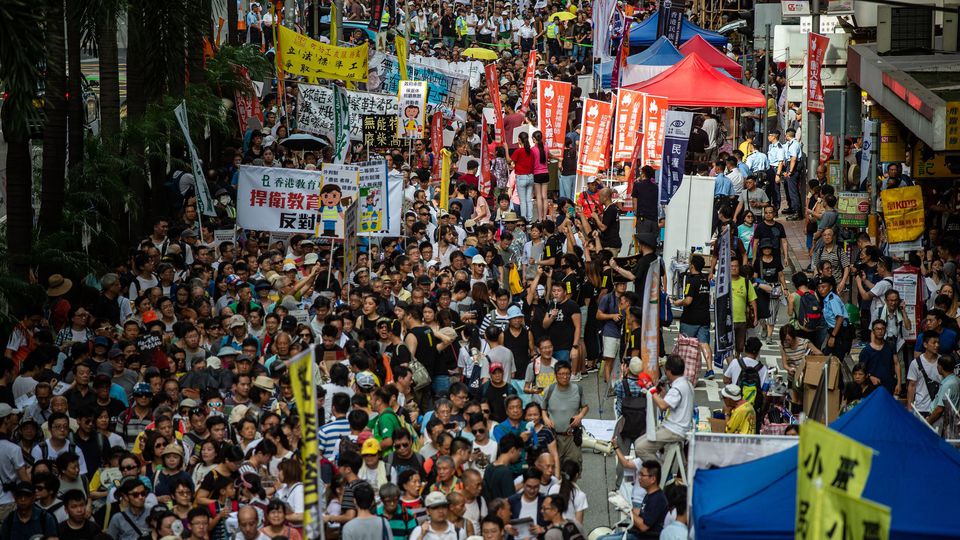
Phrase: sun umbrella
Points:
(302, 141)
(562, 16)
(480, 53)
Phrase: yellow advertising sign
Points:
(310, 58)
(302, 382)
(929, 164)
(842, 516)
(445, 166)
(826, 458)
(903, 213)
(953, 126)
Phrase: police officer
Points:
(775, 155)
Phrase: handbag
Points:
(421, 377)
(933, 387)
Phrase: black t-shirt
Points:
(653, 509)
(768, 271)
(562, 331)
(88, 531)
(640, 271)
(697, 287)
(647, 195)
(447, 25)
(519, 345)
(774, 232)
(610, 238)
(495, 398)
(398, 354)
(698, 140)
(535, 314)
(426, 347)
(571, 284)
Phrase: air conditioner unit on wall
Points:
(904, 29)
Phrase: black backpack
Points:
(570, 531)
(750, 383)
(809, 312)
(633, 410)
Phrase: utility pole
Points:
(766, 89)
(811, 124)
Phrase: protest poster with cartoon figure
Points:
(412, 98)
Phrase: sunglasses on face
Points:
(128, 467)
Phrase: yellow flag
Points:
(445, 166)
(842, 516)
(302, 383)
(311, 58)
(826, 458)
(401, 44)
(333, 23)
(903, 213)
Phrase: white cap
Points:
(478, 259)
(636, 365)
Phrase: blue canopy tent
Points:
(662, 53)
(914, 472)
(644, 33)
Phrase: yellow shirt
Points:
(745, 148)
(742, 293)
(743, 420)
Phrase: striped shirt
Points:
(496, 319)
(401, 524)
(329, 436)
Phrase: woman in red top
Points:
(541, 174)
(522, 160)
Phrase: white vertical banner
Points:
(204, 200)
(866, 149)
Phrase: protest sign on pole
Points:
(412, 105)
(380, 133)
(601, 14)
(310, 58)
(493, 85)
(553, 100)
(341, 123)
(301, 369)
(401, 45)
(629, 121)
(650, 325)
(816, 50)
(204, 200)
(373, 196)
(445, 179)
(275, 199)
(342, 175)
(528, 81)
(245, 98)
(677, 135)
(670, 20)
(654, 128)
(436, 141)
(722, 300)
(485, 172)
(447, 91)
(594, 137)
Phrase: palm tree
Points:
(21, 43)
(105, 24)
(75, 105)
(55, 128)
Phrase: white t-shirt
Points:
(144, 285)
(733, 370)
(922, 400)
(488, 449)
(528, 509)
(577, 504)
(292, 495)
(53, 453)
(879, 289)
(679, 420)
(11, 461)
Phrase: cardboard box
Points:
(718, 426)
(812, 367)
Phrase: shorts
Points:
(611, 347)
(699, 331)
(542, 178)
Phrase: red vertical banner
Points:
(484, 161)
(436, 140)
(628, 122)
(248, 103)
(654, 128)
(621, 61)
(493, 86)
(594, 137)
(816, 50)
(553, 100)
(528, 81)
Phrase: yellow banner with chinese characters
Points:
(302, 382)
(307, 57)
(903, 213)
(826, 458)
(842, 516)
(445, 166)
(401, 44)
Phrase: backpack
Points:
(172, 186)
(750, 383)
(633, 410)
(347, 445)
(809, 312)
(570, 531)
(472, 378)
(45, 449)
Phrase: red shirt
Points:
(523, 161)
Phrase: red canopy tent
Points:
(715, 58)
(692, 82)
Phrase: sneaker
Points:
(709, 375)
(794, 218)
(769, 340)
(576, 378)
(593, 369)
(611, 392)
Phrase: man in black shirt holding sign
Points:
(695, 320)
(608, 222)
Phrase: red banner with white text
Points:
(248, 104)
(629, 115)
(654, 128)
(816, 50)
(493, 85)
(553, 99)
(594, 137)
(528, 81)
(436, 141)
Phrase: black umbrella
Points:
(303, 141)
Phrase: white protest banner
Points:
(278, 200)
(373, 196)
(448, 91)
(344, 175)
(204, 200)
(341, 123)
(315, 112)
(412, 105)
(394, 202)
(302, 315)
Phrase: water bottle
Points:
(696, 418)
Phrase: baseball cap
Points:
(6, 410)
(142, 389)
(435, 500)
(236, 320)
(370, 447)
(365, 380)
(234, 279)
(514, 312)
(310, 259)
(495, 366)
(22, 487)
(731, 391)
(227, 351)
(101, 380)
(101, 341)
